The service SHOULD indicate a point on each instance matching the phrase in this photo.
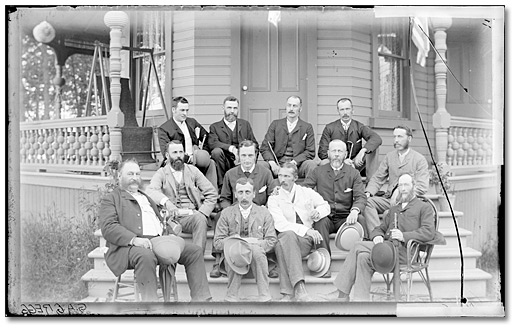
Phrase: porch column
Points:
(116, 21)
(441, 118)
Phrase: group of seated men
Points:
(260, 208)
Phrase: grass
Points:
(54, 251)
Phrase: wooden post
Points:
(441, 118)
(116, 21)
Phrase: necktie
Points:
(336, 171)
(298, 219)
(247, 174)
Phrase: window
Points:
(150, 34)
(392, 57)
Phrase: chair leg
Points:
(116, 289)
(428, 285)
(409, 283)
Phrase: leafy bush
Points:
(54, 252)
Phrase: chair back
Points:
(420, 253)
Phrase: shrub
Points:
(54, 252)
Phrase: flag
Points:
(420, 38)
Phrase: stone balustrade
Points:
(77, 144)
(470, 142)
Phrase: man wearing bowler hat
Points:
(410, 219)
(342, 187)
(129, 220)
(295, 209)
(192, 135)
(185, 193)
(245, 229)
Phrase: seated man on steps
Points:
(342, 187)
(414, 220)
(128, 220)
(185, 192)
(253, 223)
(295, 209)
(263, 183)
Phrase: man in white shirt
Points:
(193, 137)
(184, 191)
(128, 220)
(400, 161)
(295, 209)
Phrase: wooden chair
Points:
(418, 259)
(128, 291)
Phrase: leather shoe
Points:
(273, 274)
(336, 295)
(300, 293)
(215, 273)
(286, 298)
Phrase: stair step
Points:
(449, 258)
(445, 285)
(450, 234)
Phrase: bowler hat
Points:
(384, 257)
(319, 262)
(167, 248)
(348, 235)
(238, 254)
(202, 158)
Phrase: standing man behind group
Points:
(225, 136)
(400, 161)
(291, 139)
(192, 135)
(352, 132)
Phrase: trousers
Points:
(375, 206)
(327, 226)
(197, 225)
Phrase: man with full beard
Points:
(342, 187)
(410, 219)
(184, 192)
(225, 136)
(400, 161)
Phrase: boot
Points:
(215, 272)
(300, 293)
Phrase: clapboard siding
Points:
(202, 61)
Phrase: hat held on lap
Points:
(348, 235)
(319, 262)
(168, 248)
(384, 257)
(238, 254)
(202, 158)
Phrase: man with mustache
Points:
(225, 136)
(295, 209)
(255, 224)
(289, 140)
(402, 160)
(342, 187)
(263, 184)
(192, 135)
(128, 220)
(350, 131)
(185, 192)
(414, 221)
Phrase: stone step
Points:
(445, 285)
(446, 219)
(451, 237)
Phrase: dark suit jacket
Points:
(169, 131)
(303, 144)
(342, 192)
(120, 218)
(219, 136)
(356, 131)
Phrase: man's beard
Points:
(230, 117)
(336, 162)
(404, 145)
(177, 164)
(405, 198)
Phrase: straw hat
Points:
(319, 262)
(168, 248)
(348, 235)
(238, 254)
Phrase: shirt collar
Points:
(180, 124)
(292, 124)
(248, 210)
(347, 124)
(404, 154)
(250, 171)
(173, 169)
(229, 124)
(338, 169)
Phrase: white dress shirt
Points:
(187, 137)
(151, 224)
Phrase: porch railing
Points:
(470, 143)
(81, 144)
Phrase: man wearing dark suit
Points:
(342, 187)
(224, 137)
(291, 139)
(193, 136)
(263, 184)
(351, 132)
(128, 220)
